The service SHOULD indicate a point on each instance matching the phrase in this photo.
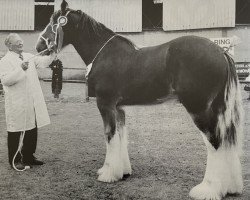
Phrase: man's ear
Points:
(64, 6)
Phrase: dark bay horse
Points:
(201, 73)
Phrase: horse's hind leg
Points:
(121, 127)
(116, 145)
(222, 136)
(222, 176)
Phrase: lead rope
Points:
(22, 135)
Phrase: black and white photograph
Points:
(124, 99)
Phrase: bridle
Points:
(57, 30)
(62, 21)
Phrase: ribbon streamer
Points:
(56, 85)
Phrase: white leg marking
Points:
(117, 159)
(222, 176)
(112, 169)
(124, 151)
(102, 169)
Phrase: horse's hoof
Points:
(205, 191)
(127, 170)
(125, 176)
(107, 178)
(235, 189)
(109, 174)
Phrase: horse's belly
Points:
(145, 94)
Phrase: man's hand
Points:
(25, 65)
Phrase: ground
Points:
(167, 153)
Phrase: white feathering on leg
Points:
(112, 169)
(124, 152)
(222, 176)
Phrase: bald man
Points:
(25, 107)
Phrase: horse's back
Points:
(198, 53)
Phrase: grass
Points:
(167, 153)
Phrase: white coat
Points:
(25, 107)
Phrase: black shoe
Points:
(37, 162)
(33, 161)
(20, 166)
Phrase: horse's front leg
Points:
(121, 127)
(112, 169)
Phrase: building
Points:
(146, 22)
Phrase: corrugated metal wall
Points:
(118, 15)
(126, 15)
(197, 14)
(17, 15)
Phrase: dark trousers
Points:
(29, 145)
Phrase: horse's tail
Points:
(230, 119)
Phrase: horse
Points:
(201, 74)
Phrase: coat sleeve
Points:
(10, 76)
(43, 61)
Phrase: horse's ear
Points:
(64, 6)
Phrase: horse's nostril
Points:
(38, 49)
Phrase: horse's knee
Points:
(109, 131)
(109, 125)
(121, 116)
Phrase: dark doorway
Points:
(242, 12)
(151, 15)
(43, 11)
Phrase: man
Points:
(25, 107)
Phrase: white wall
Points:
(118, 15)
(17, 14)
(197, 14)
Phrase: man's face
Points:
(16, 44)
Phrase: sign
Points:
(226, 43)
(242, 65)
(243, 70)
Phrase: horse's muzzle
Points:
(40, 46)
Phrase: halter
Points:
(57, 30)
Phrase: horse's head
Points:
(74, 27)
(60, 30)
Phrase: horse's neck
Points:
(88, 49)
(82, 50)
